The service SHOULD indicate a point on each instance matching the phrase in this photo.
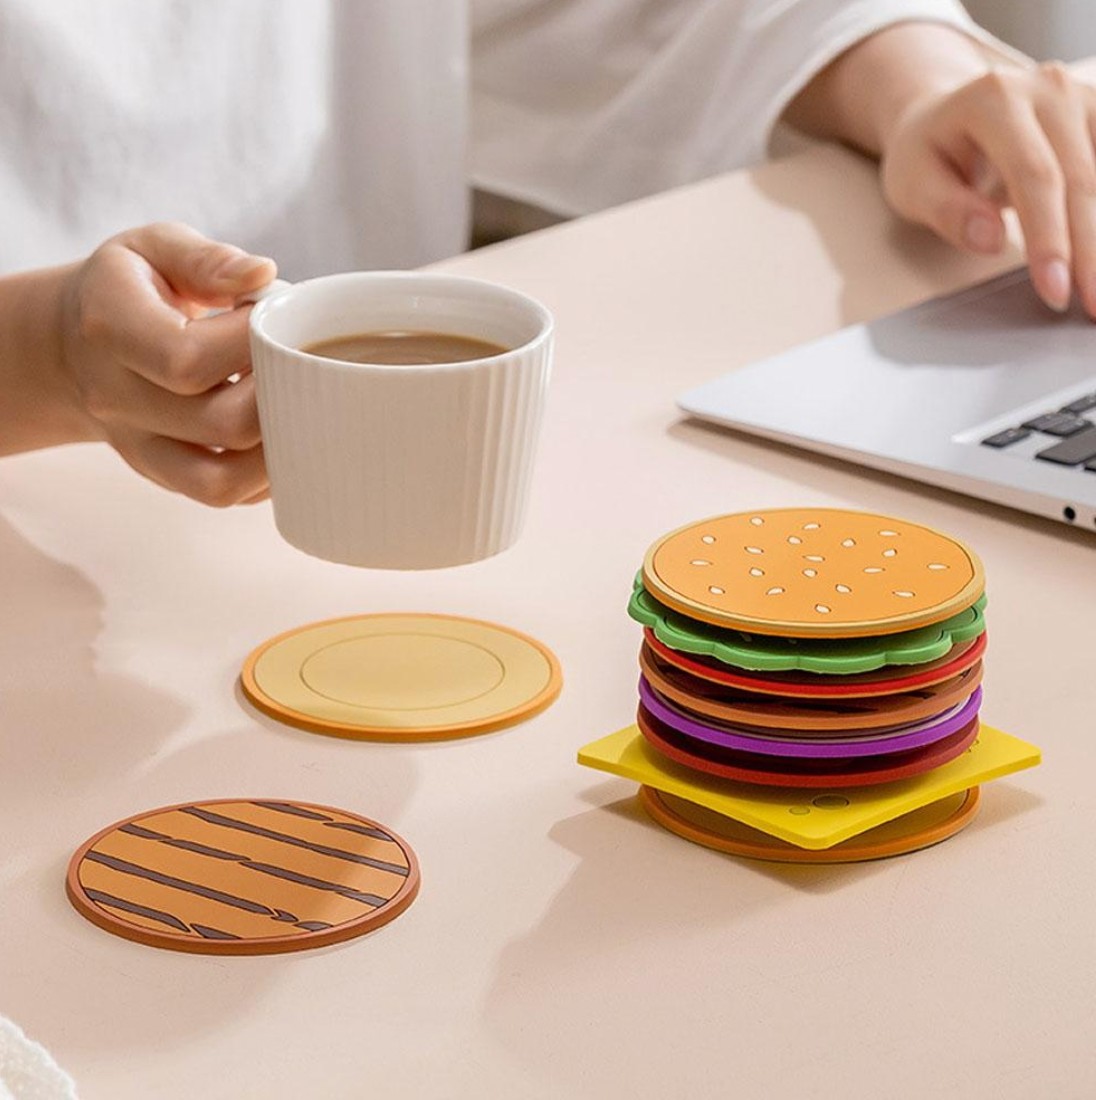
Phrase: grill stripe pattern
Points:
(243, 877)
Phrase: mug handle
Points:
(275, 286)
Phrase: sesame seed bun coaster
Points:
(810, 687)
(813, 573)
(401, 677)
(243, 877)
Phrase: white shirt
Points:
(334, 134)
(330, 135)
(583, 105)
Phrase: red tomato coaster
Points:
(882, 681)
(743, 767)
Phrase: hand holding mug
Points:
(149, 370)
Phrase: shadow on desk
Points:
(641, 907)
(74, 740)
(862, 236)
(654, 939)
(67, 726)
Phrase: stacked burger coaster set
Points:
(810, 687)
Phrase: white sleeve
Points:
(577, 107)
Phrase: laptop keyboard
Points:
(1071, 437)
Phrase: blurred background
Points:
(1063, 29)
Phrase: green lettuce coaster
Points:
(763, 653)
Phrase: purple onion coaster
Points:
(892, 741)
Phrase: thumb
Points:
(196, 267)
(942, 200)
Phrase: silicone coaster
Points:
(771, 772)
(831, 655)
(744, 708)
(813, 572)
(791, 814)
(872, 743)
(909, 833)
(812, 685)
(401, 677)
(243, 877)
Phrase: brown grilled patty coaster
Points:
(725, 704)
(243, 877)
(813, 572)
(913, 831)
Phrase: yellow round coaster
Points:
(909, 833)
(401, 677)
(813, 572)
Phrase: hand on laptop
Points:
(118, 348)
(1010, 138)
(960, 142)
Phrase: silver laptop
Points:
(985, 392)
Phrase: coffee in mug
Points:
(405, 349)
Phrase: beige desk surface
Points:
(562, 946)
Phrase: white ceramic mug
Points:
(398, 467)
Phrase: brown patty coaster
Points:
(728, 704)
(243, 877)
(813, 572)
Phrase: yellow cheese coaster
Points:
(810, 818)
(909, 833)
(401, 677)
(813, 572)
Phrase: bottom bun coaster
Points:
(401, 677)
(790, 814)
(909, 833)
(243, 877)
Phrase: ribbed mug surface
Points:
(400, 467)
